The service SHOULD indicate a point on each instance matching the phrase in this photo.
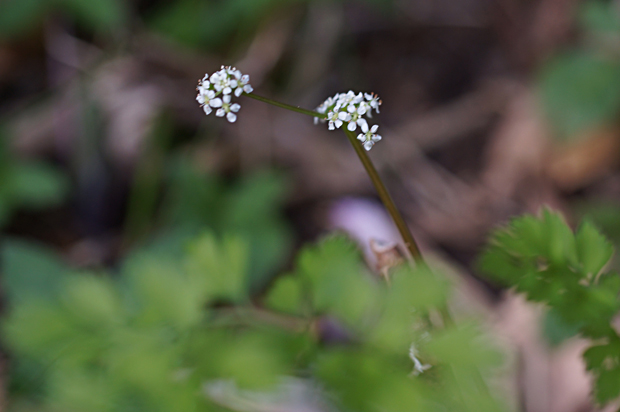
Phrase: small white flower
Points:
(215, 92)
(228, 109)
(369, 136)
(373, 101)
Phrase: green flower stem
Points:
(410, 242)
(286, 106)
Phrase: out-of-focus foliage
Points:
(160, 334)
(18, 17)
(250, 207)
(27, 184)
(542, 258)
(581, 88)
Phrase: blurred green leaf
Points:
(19, 16)
(219, 268)
(600, 16)
(286, 295)
(164, 295)
(102, 15)
(30, 270)
(580, 90)
(339, 284)
(37, 185)
(250, 208)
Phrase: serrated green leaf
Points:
(593, 249)
(607, 385)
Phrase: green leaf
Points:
(218, 269)
(462, 346)
(593, 249)
(19, 16)
(556, 329)
(35, 185)
(93, 299)
(339, 283)
(607, 385)
(286, 295)
(30, 270)
(580, 90)
(600, 17)
(102, 15)
(164, 296)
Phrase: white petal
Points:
(235, 107)
(245, 78)
(217, 102)
(374, 128)
(231, 117)
(362, 110)
(227, 90)
(331, 125)
(361, 137)
(351, 108)
(344, 116)
(207, 109)
(233, 83)
(338, 123)
(368, 145)
(316, 120)
(363, 124)
(238, 91)
(352, 126)
(376, 138)
(248, 89)
(226, 99)
(220, 112)
(200, 99)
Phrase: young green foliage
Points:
(166, 332)
(542, 258)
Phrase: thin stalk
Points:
(410, 242)
(286, 106)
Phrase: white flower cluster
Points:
(350, 108)
(216, 91)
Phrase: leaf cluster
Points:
(162, 331)
(543, 259)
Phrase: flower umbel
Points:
(215, 91)
(350, 109)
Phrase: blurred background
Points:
(490, 109)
